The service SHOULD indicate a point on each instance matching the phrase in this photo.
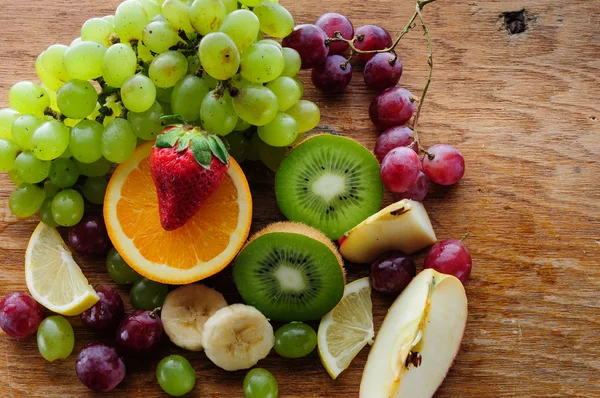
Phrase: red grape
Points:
(400, 169)
(333, 22)
(373, 38)
(309, 41)
(20, 315)
(392, 272)
(107, 313)
(89, 237)
(139, 333)
(418, 191)
(450, 257)
(393, 107)
(99, 367)
(333, 75)
(383, 71)
(447, 166)
(391, 138)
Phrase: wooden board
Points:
(524, 111)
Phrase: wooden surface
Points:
(524, 111)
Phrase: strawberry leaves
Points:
(218, 148)
(201, 150)
(169, 138)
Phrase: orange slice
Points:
(205, 245)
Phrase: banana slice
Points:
(186, 310)
(237, 337)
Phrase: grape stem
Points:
(56, 115)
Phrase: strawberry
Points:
(188, 166)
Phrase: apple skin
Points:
(428, 318)
(403, 226)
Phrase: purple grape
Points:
(400, 169)
(89, 237)
(391, 138)
(333, 22)
(393, 107)
(383, 71)
(107, 313)
(20, 315)
(418, 191)
(450, 257)
(373, 38)
(139, 333)
(447, 166)
(309, 41)
(333, 75)
(99, 367)
(392, 272)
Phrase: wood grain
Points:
(524, 111)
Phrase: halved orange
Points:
(205, 245)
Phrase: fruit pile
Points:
(199, 81)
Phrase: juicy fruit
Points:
(394, 137)
(118, 270)
(20, 315)
(400, 169)
(187, 167)
(106, 314)
(290, 272)
(139, 333)
(89, 237)
(55, 338)
(418, 191)
(332, 22)
(446, 166)
(393, 107)
(427, 322)
(373, 38)
(295, 340)
(180, 256)
(403, 226)
(175, 375)
(147, 295)
(237, 337)
(392, 272)
(383, 71)
(99, 367)
(330, 183)
(450, 256)
(309, 41)
(333, 75)
(260, 383)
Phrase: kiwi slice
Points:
(290, 272)
(329, 182)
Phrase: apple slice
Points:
(403, 226)
(418, 340)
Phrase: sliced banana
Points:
(186, 310)
(237, 337)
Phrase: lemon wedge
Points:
(53, 278)
(345, 330)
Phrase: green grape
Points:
(55, 338)
(77, 99)
(67, 207)
(52, 60)
(8, 154)
(164, 94)
(110, 19)
(271, 42)
(31, 169)
(53, 100)
(94, 189)
(63, 173)
(261, 63)
(272, 156)
(259, 36)
(119, 63)
(292, 62)
(7, 118)
(193, 64)
(144, 53)
(147, 125)
(95, 169)
(241, 125)
(159, 36)
(28, 97)
(138, 93)
(300, 84)
(14, 177)
(118, 141)
(230, 5)
(286, 90)
(274, 19)
(46, 213)
(75, 41)
(178, 14)
(238, 145)
(99, 30)
(130, 20)
(147, 295)
(50, 140)
(167, 68)
(217, 113)
(260, 383)
(45, 77)
(151, 7)
(26, 200)
(210, 81)
(118, 270)
(50, 190)
(306, 113)
(295, 340)
(67, 153)
(282, 131)
(255, 104)
(242, 27)
(219, 55)
(207, 15)
(253, 151)
(187, 97)
(83, 60)
(175, 375)
(159, 18)
(251, 3)
(85, 141)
